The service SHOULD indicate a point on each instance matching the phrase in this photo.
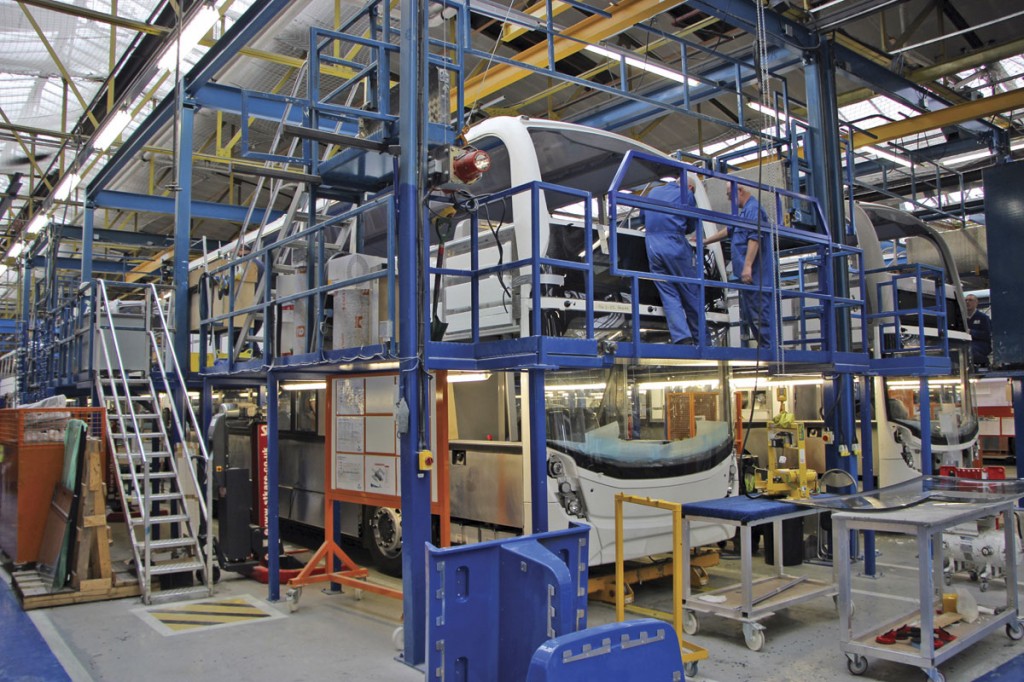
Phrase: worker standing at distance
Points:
(752, 263)
(670, 253)
(980, 326)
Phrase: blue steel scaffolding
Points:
(381, 169)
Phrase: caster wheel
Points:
(754, 638)
(691, 625)
(948, 580)
(857, 665)
(983, 586)
(201, 575)
(937, 677)
(973, 575)
(1015, 630)
(292, 596)
(690, 669)
(357, 594)
(398, 638)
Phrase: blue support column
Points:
(87, 236)
(538, 453)
(273, 530)
(415, 484)
(867, 466)
(183, 235)
(925, 411)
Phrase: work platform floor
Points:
(338, 636)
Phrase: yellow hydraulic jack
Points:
(786, 440)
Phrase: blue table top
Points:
(741, 508)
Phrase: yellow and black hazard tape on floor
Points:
(204, 615)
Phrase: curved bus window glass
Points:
(953, 418)
(638, 422)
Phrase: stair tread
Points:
(170, 543)
(164, 518)
(180, 594)
(180, 566)
(144, 434)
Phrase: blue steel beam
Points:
(145, 203)
(108, 267)
(241, 33)
(228, 99)
(799, 38)
(112, 236)
(631, 112)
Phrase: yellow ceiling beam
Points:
(968, 111)
(591, 30)
(511, 31)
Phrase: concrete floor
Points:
(339, 636)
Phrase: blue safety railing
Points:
(532, 287)
(912, 330)
(236, 300)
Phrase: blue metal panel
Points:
(482, 626)
(1004, 216)
(145, 203)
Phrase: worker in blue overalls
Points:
(670, 253)
(752, 263)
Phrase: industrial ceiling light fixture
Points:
(112, 129)
(467, 377)
(305, 386)
(882, 154)
(36, 225)
(68, 184)
(189, 35)
(642, 64)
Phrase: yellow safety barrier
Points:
(691, 652)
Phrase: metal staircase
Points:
(170, 542)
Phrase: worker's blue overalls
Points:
(756, 311)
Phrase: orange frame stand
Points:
(351, 573)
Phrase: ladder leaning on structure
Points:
(166, 537)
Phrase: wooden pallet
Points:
(35, 592)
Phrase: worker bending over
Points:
(670, 253)
(752, 263)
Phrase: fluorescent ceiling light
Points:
(917, 384)
(36, 225)
(888, 156)
(305, 386)
(768, 111)
(188, 37)
(688, 383)
(643, 65)
(16, 250)
(68, 184)
(975, 156)
(112, 129)
(468, 377)
(574, 387)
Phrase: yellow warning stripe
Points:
(212, 608)
(206, 619)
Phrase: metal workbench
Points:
(925, 522)
(752, 599)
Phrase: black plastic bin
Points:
(792, 542)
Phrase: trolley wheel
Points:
(857, 664)
(853, 606)
(973, 575)
(753, 636)
(983, 586)
(948, 580)
(398, 638)
(691, 625)
(292, 596)
(937, 676)
(1015, 630)
(357, 594)
(690, 669)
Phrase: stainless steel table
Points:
(925, 522)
